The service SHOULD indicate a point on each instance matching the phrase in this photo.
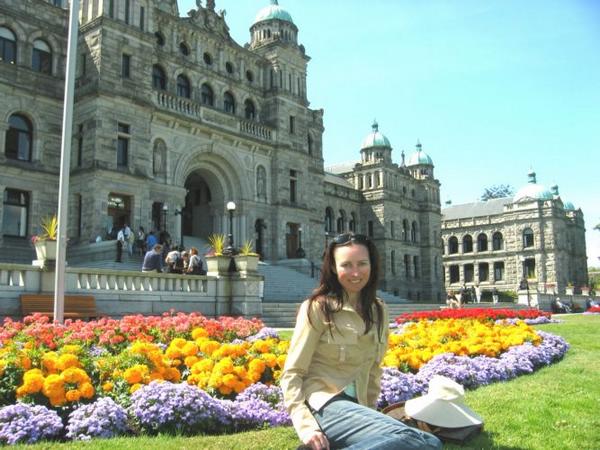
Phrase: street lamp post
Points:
(179, 212)
(300, 253)
(230, 250)
(165, 210)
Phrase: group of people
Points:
(468, 295)
(178, 260)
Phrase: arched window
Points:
(405, 230)
(249, 110)
(183, 86)
(393, 262)
(41, 59)
(328, 220)
(206, 95)
(160, 39)
(452, 245)
(309, 142)
(8, 46)
(482, 242)
(207, 58)
(413, 232)
(352, 223)
(184, 49)
(341, 222)
(16, 213)
(467, 244)
(497, 241)
(159, 79)
(229, 102)
(527, 238)
(19, 138)
(416, 266)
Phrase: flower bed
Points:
(472, 313)
(186, 374)
(593, 310)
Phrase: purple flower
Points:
(26, 423)
(264, 333)
(104, 418)
(177, 408)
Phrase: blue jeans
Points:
(351, 426)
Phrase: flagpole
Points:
(65, 164)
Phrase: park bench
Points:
(76, 306)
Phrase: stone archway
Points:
(203, 205)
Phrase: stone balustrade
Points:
(119, 293)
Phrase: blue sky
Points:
(490, 88)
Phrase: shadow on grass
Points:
(485, 440)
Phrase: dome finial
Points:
(375, 126)
(418, 145)
(274, 2)
(403, 163)
(531, 175)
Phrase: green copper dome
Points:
(375, 139)
(532, 191)
(273, 11)
(419, 158)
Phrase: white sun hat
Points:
(443, 405)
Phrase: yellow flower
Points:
(199, 333)
(73, 395)
(136, 374)
(108, 386)
(67, 360)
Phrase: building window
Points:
(454, 274)
(529, 268)
(206, 95)
(249, 76)
(8, 46)
(125, 65)
(183, 86)
(309, 143)
(413, 232)
(111, 9)
(341, 222)
(229, 68)
(16, 213)
(80, 145)
(497, 241)
(370, 232)
(499, 271)
(41, 59)
(393, 262)
(416, 266)
(57, 3)
(484, 271)
(293, 185)
(123, 145)
(392, 231)
(407, 266)
(83, 59)
(19, 138)
(249, 110)
(452, 245)
(527, 238)
(352, 223)
(405, 230)
(292, 124)
(160, 39)
(142, 18)
(369, 181)
(207, 58)
(79, 215)
(127, 6)
(482, 242)
(467, 244)
(159, 79)
(229, 102)
(469, 272)
(184, 49)
(328, 220)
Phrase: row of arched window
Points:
(207, 95)
(341, 223)
(18, 142)
(41, 54)
(482, 244)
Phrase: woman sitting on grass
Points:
(331, 378)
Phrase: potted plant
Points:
(216, 262)
(569, 289)
(45, 243)
(585, 290)
(247, 259)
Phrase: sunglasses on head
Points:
(349, 237)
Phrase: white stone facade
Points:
(172, 120)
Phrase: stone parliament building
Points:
(173, 119)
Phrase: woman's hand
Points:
(318, 441)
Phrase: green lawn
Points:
(557, 407)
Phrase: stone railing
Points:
(118, 293)
(256, 129)
(177, 104)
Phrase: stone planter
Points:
(45, 250)
(585, 291)
(568, 291)
(217, 264)
(246, 263)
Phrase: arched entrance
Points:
(259, 228)
(203, 203)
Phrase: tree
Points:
(497, 191)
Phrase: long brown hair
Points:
(330, 288)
